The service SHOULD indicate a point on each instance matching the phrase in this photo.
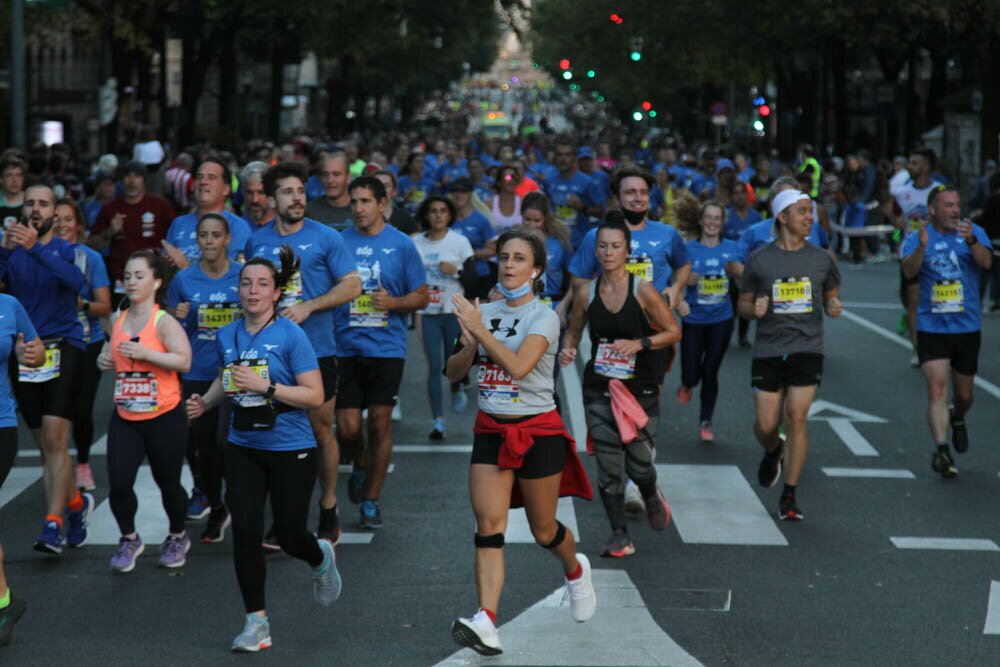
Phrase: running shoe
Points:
(198, 507)
(437, 429)
(943, 464)
(84, 477)
(356, 485)
(50, 540)
(215, 527)
(477, 633)
(683, 395)
(127, 553)
(10, 615)
(633, 499)
(770, 465)
(619, 546)
(270, 542)
(329, 524)
(705, 433)
(959, 434)
(326, 578)
(459, 401)
(77, 522)
(256, 635)
(901, 325)
(582, 598)
(397, 412)
(788, 508)
(657, 511)
(371, 515)
(173, 551)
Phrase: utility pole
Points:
(17, 131)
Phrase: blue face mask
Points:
(517, 293)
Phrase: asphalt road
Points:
(725, 584)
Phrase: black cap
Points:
(462, 184)
(134, 167)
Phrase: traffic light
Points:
(591, 74)
(635, 49)
(646, 106)
(564, 64)
(617, 19)
(567, 75)
(764, 110)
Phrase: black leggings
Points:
(83, 414)
(204, 449)
(8, 451)
(162, 440)
(288, 477)
(703, 346)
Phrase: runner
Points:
(327, 278)
(947, 256)
(414, 183)
(269, 372)
(39, 271)
(785, 285)
(519, 436)
(333, 209)
(371, 341)
(554, 285)
(576, 196)
(444, 254)
(707, 311)
(17, 337)
(204, 298)
(147, 349)
(12, 172)
(505, 205)
(257, 209)
(622, 376)
(93, 304)
(478, 229)
(397, 216)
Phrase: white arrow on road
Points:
(621, 632)
(841, 422)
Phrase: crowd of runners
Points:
(251, 314)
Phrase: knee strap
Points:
(558, 539)
(494, 541)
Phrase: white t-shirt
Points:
(499, 393)
(148, 152)
(912, 203)
(452, 248)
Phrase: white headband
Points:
(784, 199)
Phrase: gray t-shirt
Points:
(321, 210)
(795, 281)
(499, 393)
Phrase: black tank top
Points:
(605, 328)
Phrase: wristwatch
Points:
(271, 388)
(646, 343)
(86, 306)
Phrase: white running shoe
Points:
(582, 598)
(633, 499)
(477, 633)
(256, 635)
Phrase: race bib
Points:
(293, 291)
(214, 316)
(915, 224)
(416, 196)
(136, 391)
(640, 267)
(712, 290)
(243, 397)
(792, 296)
(496, 385)
(611, 364)
(434, 305)
(364, 314)
(948, 296)
(567, 214)
(84, 324)
(49, 370)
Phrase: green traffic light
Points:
(636, 56)
(652, 113)
(591, 74)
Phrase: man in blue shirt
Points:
(947, 258)
(327, 278)
(585, 160)
(575, 196)
(371, 339)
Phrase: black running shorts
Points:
(961, 349)
(546, 457)
(328, 369)
(792, 370)
(55, 398)
(365, 381)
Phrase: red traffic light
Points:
(564, 64)
(646, 106)
(764, 110)
(617, 19)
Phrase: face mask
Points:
(634, 217)
(517, 293)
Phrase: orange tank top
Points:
(142, 390)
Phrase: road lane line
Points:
(347, 467)
(519, 531)
(945, 543)
(19, 479)
(981, 382)
(714, 504)
(881, 473)
(855, 442)
(992, 626)
(431, 449)
(573, 407)
(866, 305)
(150, 519)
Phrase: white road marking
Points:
(545, 634)
(881, 473)
(19, 479)
(945, 543)
(714, 504)
(573, 405)
(99, 448)
(863, 305)
(840, 421)
(431, 449)
(992, 625)
(851, 437)
(150, 519)
(347, 467)
(519, 531)
(980, 382)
